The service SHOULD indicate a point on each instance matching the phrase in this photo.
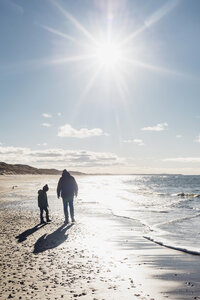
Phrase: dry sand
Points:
(98, 257)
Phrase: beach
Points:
(107, 92)
(100, 256)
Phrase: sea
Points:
(164, 209)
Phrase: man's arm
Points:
(75, 188)
(59, 188)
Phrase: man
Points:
(67, 188)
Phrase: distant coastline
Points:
(20, 169)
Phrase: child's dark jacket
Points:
(42, 199)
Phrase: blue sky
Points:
(101, 86)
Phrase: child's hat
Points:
(45, 187)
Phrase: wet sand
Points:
(98, 257)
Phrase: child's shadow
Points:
(51, 240)
(22, 236)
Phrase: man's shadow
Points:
(52, 240)
(22, 236)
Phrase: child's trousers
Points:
(41, 214)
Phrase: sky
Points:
(101, 86)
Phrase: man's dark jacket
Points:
(67, 186)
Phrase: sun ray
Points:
(91, 82)
(63, 60)
(109, 20)
(154, 18)
(120, 84)
(74, 21)
(160, 13)
(59, 33)
(85, 93)
(154, 68)
(133, 35)
(43, 62)
(63, 35)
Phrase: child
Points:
(43, 203)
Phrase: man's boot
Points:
(66, 221)
(42, 221)
(47, 216)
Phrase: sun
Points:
(104, 52)
(108, 54)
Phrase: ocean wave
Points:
(164, 194)
(178, 248)
(148, 192)
(191, 195)
(130, 218)
(178, 220)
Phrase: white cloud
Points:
(158, 127)
(139, 142)
(68, 131)
(46, 124)
(128, 141)
(179, 136)
(183, 159)
(43, 144)
(45, 115)
(60, 158)
(197, 140)
(59, 114)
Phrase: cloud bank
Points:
(60, 158)
(183, 159)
